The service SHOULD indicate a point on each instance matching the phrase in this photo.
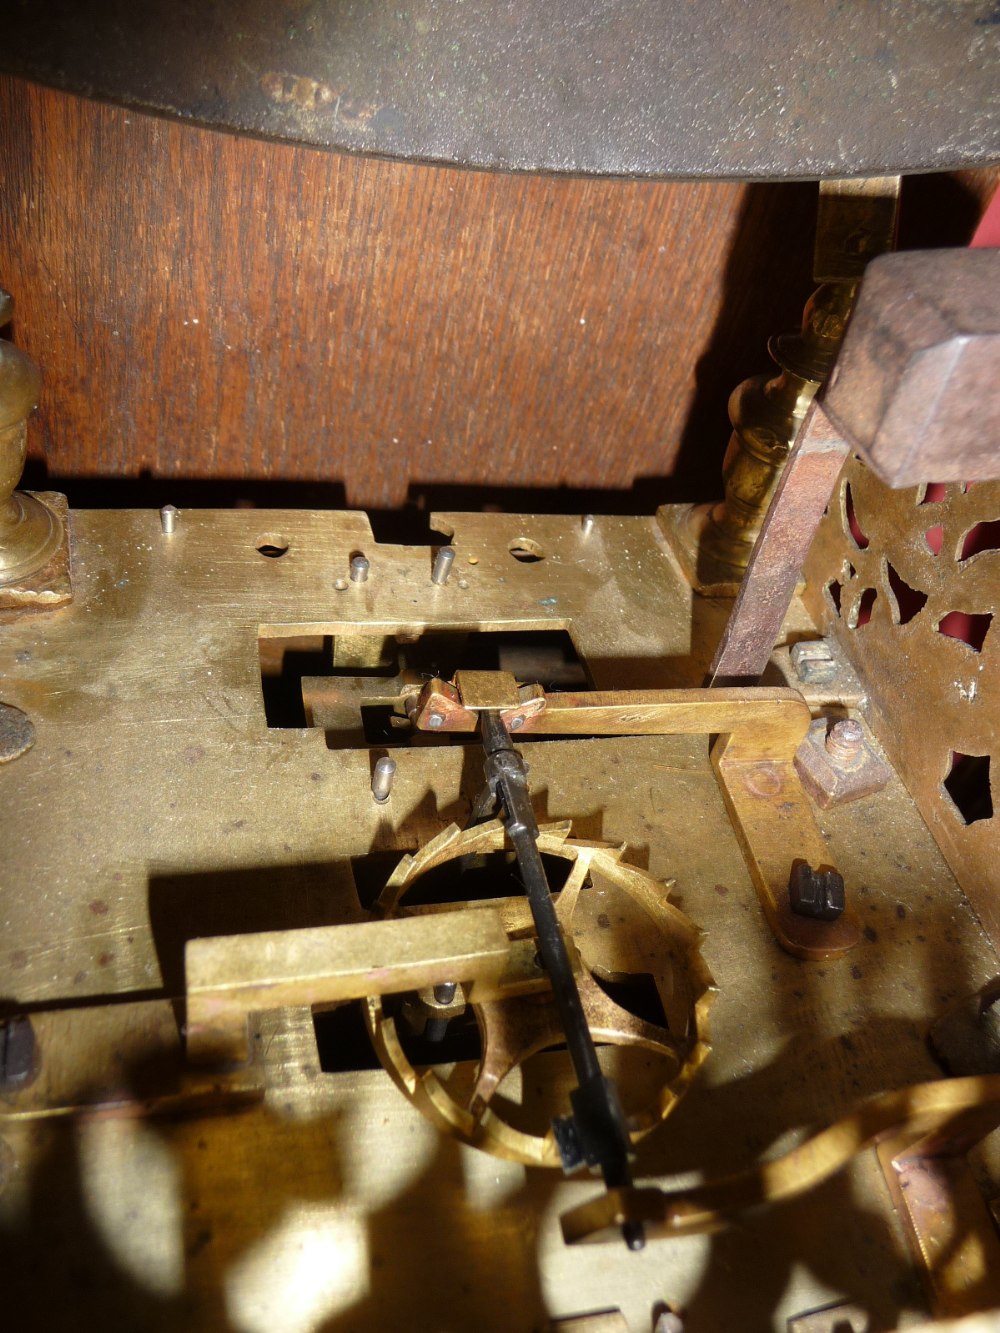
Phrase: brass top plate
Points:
(156, 804)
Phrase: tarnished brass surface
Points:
(123, 1059)
(933, 676)
(157, 805)
(759, 734)
(856, 223)
(954, 1237)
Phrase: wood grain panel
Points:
(206, 306)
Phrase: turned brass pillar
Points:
(31, 533)
(766, 412)
(857, 221)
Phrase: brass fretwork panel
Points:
(909, 581)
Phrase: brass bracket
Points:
(946, 1218)
(231, 976)
(759, 732)
(455, 707)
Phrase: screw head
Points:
(813, 662)
(17, 733)
(845, 740)
(17, 1052)
(435, 720)
(818, 894)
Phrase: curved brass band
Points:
(958, 1111)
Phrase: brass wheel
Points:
(625, 938)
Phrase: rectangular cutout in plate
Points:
(345, 683)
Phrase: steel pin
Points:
(359, 569)
(443, 562)
(382, 778)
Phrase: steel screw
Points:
(443, 562)
(587, 524)
(169, 515)
(444, 993)
(818, 894)
(17, 1052)
(385, 771)
(435, 720)
(359, 569)
(845, 742)
(669, 1322)
(813, 662)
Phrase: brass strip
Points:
(229, 977)
(759, 732)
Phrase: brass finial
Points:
(30, 532)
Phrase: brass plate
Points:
(156, 804)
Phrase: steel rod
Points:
(597, 1116)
